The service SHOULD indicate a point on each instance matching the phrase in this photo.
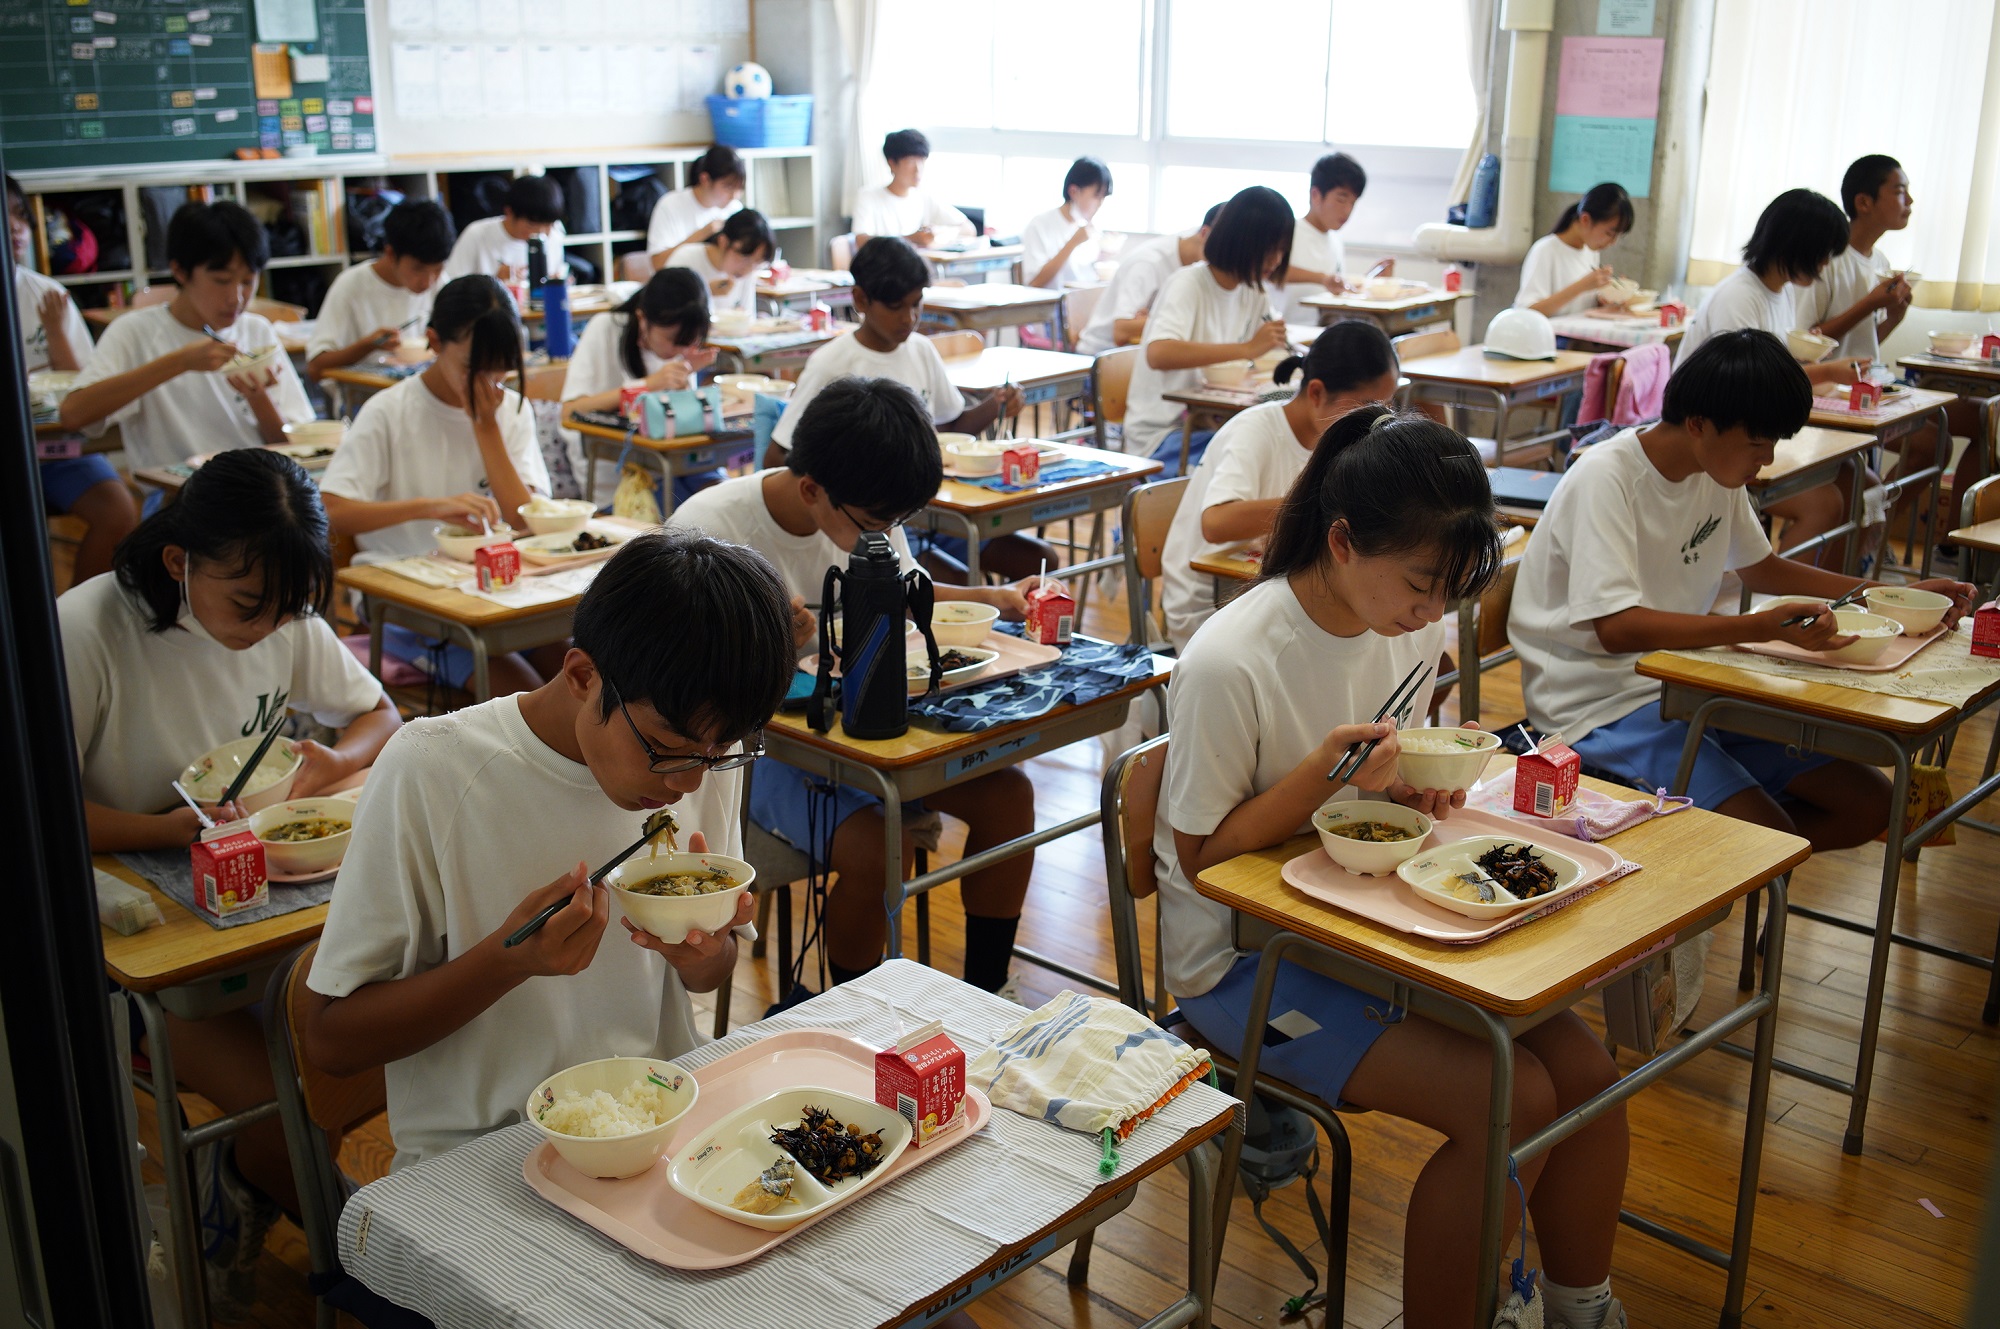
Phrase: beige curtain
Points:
(1479, 43)
(1799, 88)
(857, 19)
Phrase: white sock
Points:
(1576, 1307)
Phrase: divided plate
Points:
(646, 1215)
(718, 1163)
(1391, 903)
(1900, 653)
(552, 550)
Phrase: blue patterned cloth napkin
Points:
(1060, 473)
(1087, 670)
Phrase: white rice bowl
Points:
(607, 1118)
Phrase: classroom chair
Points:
(840, 252)
(1079, 303)
(1444, 341)
(952, 345)
(1130, 803)
(317, 1110)
(545, 382)
(278, 311)
(1148, 515)
(153, 295)
(1110, 384)
(1489, 613)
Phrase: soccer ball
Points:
(747, 80)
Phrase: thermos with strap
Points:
(875, 597)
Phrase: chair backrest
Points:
(840, 252)
(1981, 502)
(1149, 514)
(545, 382)
(1130, 804)
(951, 344)
(1079, 305)
(155, 295)
(636, 266)
(278, 311)
(1494, 606)
(1416, 345)
(1110, 384)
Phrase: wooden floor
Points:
(1840, 1242)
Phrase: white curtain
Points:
(1797, 89)
(857, 19)
(1480, 37)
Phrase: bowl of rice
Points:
(670, 893)
(1443, 758)
(207, 777)
(615, 1117)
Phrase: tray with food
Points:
(1457, 881)
(798, 1105)
(1898, 622)
(599, 540)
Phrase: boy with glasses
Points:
(864, 457)
(688, 640)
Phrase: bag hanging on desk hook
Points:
(876, 596)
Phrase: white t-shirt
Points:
(359, 302)
(1255, 455)
(1243, 718)
(1315, 251)
(30, 288)
(916, 364)
(735, 511)
(1617, 534)
(694, 257)
(1841, 285)
(879, 212)
(190, 413)
(462, 815)
(679, 215)
(1192, 307)
(1740, 300)
(405, 443)
(485, 245)
(144, 704)
(1141, 273)
(1551, 265)
(597, 365)
(1043, 238)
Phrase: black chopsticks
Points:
(1357, 754)
(1848, 599)
(256, 758)
(534, 925)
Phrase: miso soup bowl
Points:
(303, 858)
(672, 917)
(1918, 611)
(1367, 858)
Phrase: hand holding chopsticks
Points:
(1807, 620)
(1357, 754)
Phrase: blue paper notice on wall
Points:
(1590, 148)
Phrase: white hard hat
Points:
(1521, 334)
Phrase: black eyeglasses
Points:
(874, 525)
(666, 763)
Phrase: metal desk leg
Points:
(183, 1218)
(482, 681)
(1468, 659)
(1878, 954)
(1499, 1146)
(973, 575)
(1755, 1109)
(1203, 1252)
(378, 614)
(892, 862)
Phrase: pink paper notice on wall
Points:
(1617, 77)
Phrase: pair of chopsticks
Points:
(256, 758)
(1804, 620)
(1357, 754)
(534, 925)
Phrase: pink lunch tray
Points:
(645, 1214)
(1391, 902)
(1901, 653)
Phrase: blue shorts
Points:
(1316, 1060)
(68, 479)
(804, 810)
(447, 661)
(1168, 453)
(1645, 750)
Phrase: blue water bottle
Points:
(556, 329)
(1482, 208)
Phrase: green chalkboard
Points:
(88, 83)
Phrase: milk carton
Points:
(1051, 615)
(922, 1077)
(1545, 780)
(1986, 630)
(229, 873)
(1021, 464)
(496, 565)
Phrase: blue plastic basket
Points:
(762, 122)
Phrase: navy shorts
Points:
(1645, 750)
(67, 480)
(1319, 1030)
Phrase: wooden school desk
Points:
(763, 352)
(800, 289)
(1470, 377)
(486, 628)
(1974, 381)
(347, 384)
(1395, 317)
(1051, 377)
(995, 305)
(923, 761)
(976, 261)
(1592, 332)
(1808, 459)
(1972, 540)
(982, 514)
(195, 971)
(1900, 415)
(690, 454)
(1696, 865)
(584, 302)
(967, 1220)
(1871, 727)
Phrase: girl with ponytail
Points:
(1252, 461)
(1564, 269)
(1390, 523)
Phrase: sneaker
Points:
(236, 1218)
(1614, 1317)
(1011, 990)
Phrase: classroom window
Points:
(1254, 71)
(1069, 66)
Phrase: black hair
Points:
(1087, 173)
(209, 235)
(1797, 233)
(888, 268)
(871, 445)
(419, 229)
(1606, 201)
(1214, 211)
(1345, 355)
(1403, 485)
(1337, 170)
(1746, 377)
(478, 306)
(747, 232)
(671, 298)
(1866, 176)
(247, 508)
(906, 143)
(15, 194)
(1251, 225)
(699, 628)
(718, 163)
(535, 198)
